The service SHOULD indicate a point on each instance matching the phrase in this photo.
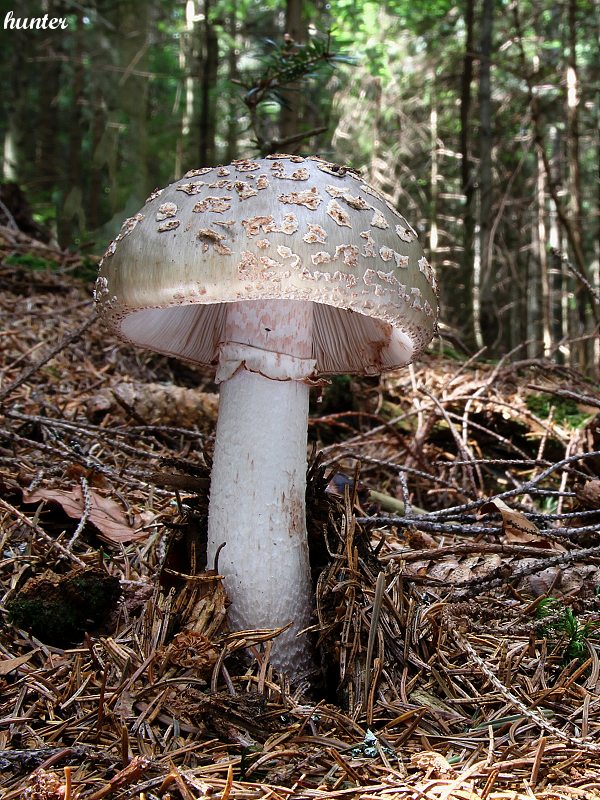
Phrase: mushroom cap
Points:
(282, 227)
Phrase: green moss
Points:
(30, 261)
(57, 609)
(85, 270)
(48, 619)
(96, 590)
(564, 410)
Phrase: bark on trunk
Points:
(209, 61)
(291, 114)
(47, 164)
(232, 134)
(581, 348)
(464, 306)
(72, 219)
(484, 319)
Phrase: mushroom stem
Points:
(258, 484)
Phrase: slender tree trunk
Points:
(17, 121)
(574, 204)
(96, 179)
(595, 272)
(464, 297)
(296, 28)
(209, 61)
(534, 283)
(435, 177)
(10, 156)
(483, 316)
(517, 332)
(185, 95)
(72, 218)
(48, 150)
(232, 132)
(558, 290)
(542, 254)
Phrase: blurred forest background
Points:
(479, 119)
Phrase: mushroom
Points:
(277, 271)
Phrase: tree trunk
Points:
(209, 61)
(435, 177)
(96, 178)
(48, 150)
(291, 113)
(558, 289)
(542, 255)
(482, 291)
(17, 112)
(71, 221)
(574, 203)
(464, 295)
(596, 266)
(232, 130)
(128, 109)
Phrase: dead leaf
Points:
(106, 515)
(589, 495)
(515, 525)
(540, 583)
(576, 577)
(567, 581)
(448, 570)
(419, 540)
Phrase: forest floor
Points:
(454, 522)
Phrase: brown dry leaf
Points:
(517, 528)
(487, 563)
(105, 514)
(576, 577)
(559, 582)
(419, 540)
(589, 495)
(446, 570)
(540, 583)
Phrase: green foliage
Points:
(560, 622)
(289, 63)
(30, 261)
(564, 410)
(451, 352)
(85, 270)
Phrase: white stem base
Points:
(257, 507)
